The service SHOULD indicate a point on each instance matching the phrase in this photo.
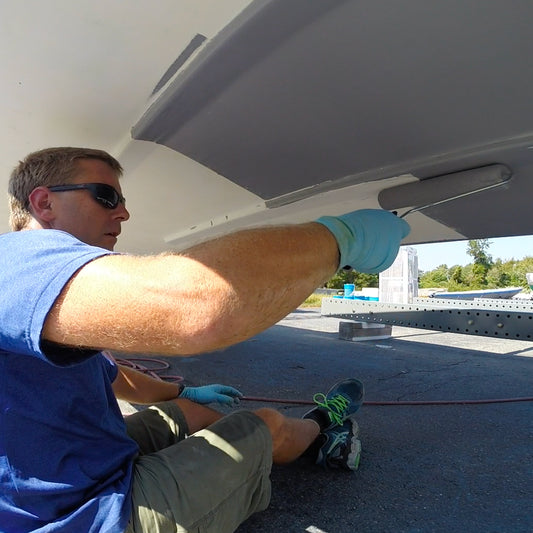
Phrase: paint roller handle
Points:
(368, 239)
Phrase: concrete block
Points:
(363, 331)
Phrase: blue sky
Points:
(431, 256)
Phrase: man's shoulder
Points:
(45, 241)
(38, 236)
(40, 248)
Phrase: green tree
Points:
(516, 271)
(359, 279)
(478, 249)
(498, 275)
(339, 279)
(434, 278)
(456, 276)
(366, 280)
(510, 273)
(479, 276)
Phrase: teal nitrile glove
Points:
(211, 394)
(368, 239)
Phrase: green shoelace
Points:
(335, 407)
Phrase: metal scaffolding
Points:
(508, 319)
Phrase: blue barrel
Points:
(349, 288)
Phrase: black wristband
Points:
(181, 386)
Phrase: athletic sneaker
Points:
(341, 448)
(340, 402)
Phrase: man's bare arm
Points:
(214, 295)
(135, 387)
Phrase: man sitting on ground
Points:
(68, 460)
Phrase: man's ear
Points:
(41, 204)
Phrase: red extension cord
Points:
(161, 365)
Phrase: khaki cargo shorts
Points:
(210, 481)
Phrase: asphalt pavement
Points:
(425, 468)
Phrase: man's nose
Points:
(121, 212)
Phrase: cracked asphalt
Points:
(424, 468)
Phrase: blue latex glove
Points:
(211, 394)
(368, 239)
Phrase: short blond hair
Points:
(48, 167)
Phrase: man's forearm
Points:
(136, 387)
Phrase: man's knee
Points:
(274, 420)
(290, 436)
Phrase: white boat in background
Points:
(529, 277)
(502, 294)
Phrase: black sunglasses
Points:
(104, 194)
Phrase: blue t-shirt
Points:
(65, 458)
